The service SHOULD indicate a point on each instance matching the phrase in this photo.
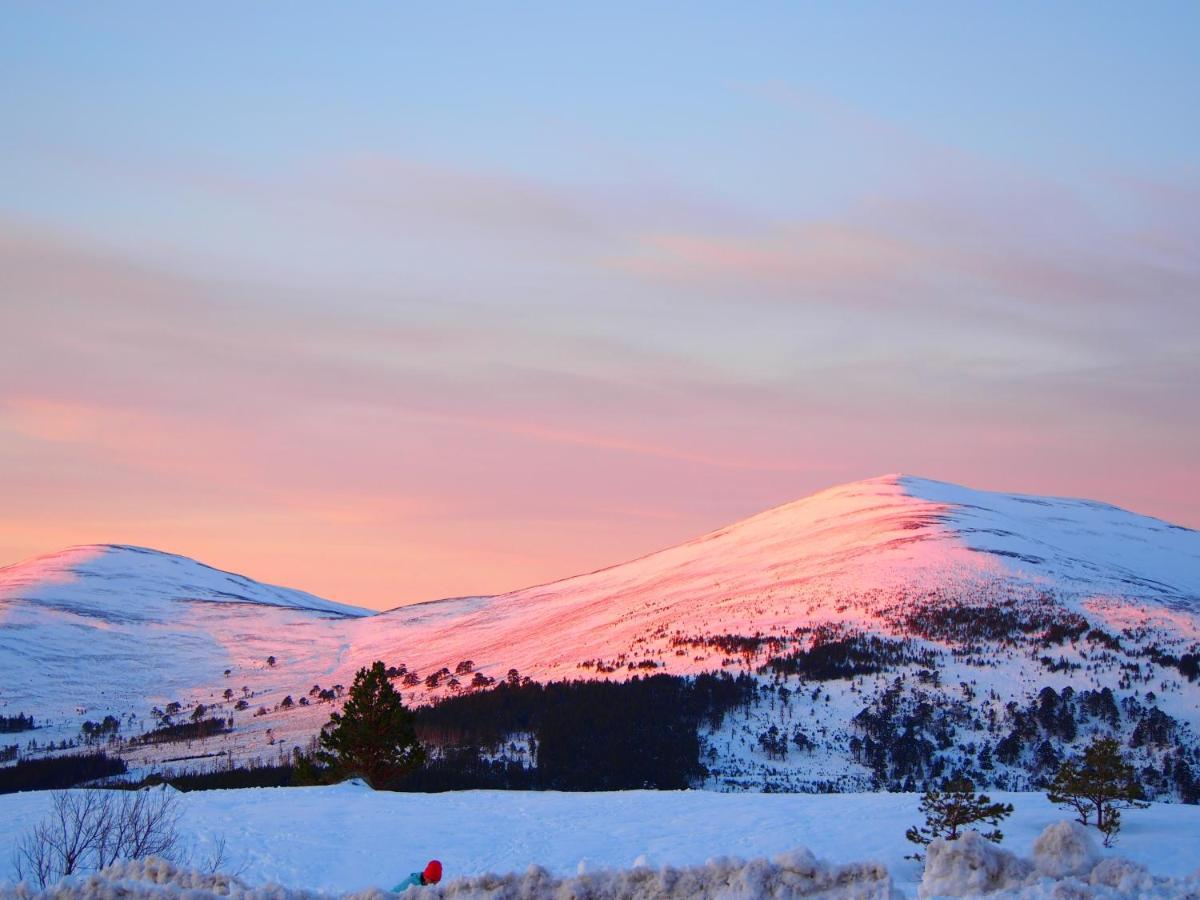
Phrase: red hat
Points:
(433, 872)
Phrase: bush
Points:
(90, 830)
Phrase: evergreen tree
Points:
(305, 770)
(373, 735)
(1100, 786)
(954, 806)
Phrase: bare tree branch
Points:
(89, 830)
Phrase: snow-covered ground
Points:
(347, 837)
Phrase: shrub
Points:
(90, 830)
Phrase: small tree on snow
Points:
(952, 808)
(1098, 786)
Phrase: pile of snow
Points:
(158, 879)
(1065, 848)
(1066, 863)
(342, 838)
(971, 866)
(795, 874)
(151, 877)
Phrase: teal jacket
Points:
(416, 879)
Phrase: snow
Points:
(971, 866)
(107, 629)
(349, 838)
(1065, 848)
(789, 875)
(119, 581)
(1066, 864)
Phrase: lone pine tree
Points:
(953, 807)
(1098, 787)
(373, 736)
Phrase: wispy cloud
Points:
(809, 260)
(486, 379)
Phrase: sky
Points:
(392, 302)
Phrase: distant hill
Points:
(891, 623)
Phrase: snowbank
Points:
(797, 874)
(339, 839)
(1065, 848)
(1066, 864)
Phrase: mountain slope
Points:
(117, 629)
(820, 558)
(979, 586)
(117, 582)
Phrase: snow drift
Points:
(1066, 863)
(796, 874)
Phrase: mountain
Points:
(879, 600)
(119, 583)
(116, 629)
(822, 558)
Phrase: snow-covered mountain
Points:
(110, 629)
(838, 555)
(119, 583)
(1001, 594)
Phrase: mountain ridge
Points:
(102, 561)
(988, 584)
(897, 479)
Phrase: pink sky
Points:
(384, 454)
(355, 321)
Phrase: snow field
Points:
(348, 838)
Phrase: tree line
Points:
(582, 735)
(13, 724)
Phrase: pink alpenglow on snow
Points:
(857, 557)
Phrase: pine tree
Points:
(1100, 785)
(954, 806)
(373, 735)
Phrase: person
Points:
(431, 875)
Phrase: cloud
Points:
(392, 191)
(487, 380)
(819, 260)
